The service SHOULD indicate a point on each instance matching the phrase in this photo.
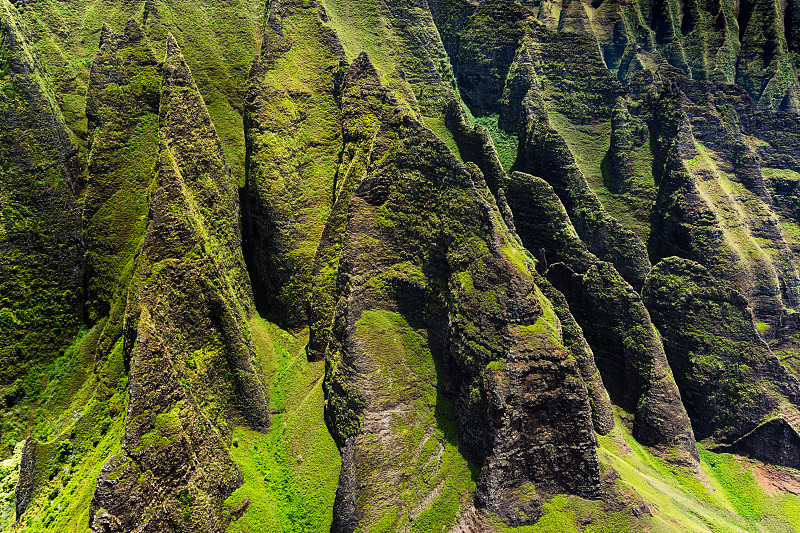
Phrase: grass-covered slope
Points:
(220, 39)
(41, 257)
(289, 474)
(416, 367)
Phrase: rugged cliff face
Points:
(399, 265)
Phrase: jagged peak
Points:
(362, 69)
(133, 31)
(257, 68)
(176, 71)
(106, 35)
(150, 8)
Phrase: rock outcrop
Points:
(293, 133)
(561, 118)
(616, 324)
(187, 342)
(122, 110)
(456, 301)
(734, 389)
(41, 178)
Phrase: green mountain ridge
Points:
(399, 265)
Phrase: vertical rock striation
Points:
(188, 347)
(425, 264)
(293, 134)
(614, 321)
(735, 390)
(41, 177)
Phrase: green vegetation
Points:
(505, 143)
(590, 144)
(714, 352)
(738, 482)
(436, 125)
(723, 496)
(752, 265)
(783, 185)
(79, 424)
(430, 492)
(123, 153)
(40, 252)
(9, 474)
(409, 54)
(519, 257)
(290, 473)
(570, 514)
(119, 208)
(220, 39)
(294, 143)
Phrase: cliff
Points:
(399, 265)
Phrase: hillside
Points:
(399, 266)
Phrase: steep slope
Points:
(293, 133)
(41, 255)
(220, 37)
(562, 119)
(735, 390)
(122, 111)
(388, 266)
(614, 321)
(188, 297)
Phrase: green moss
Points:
(294, 143)
(519, 257)
(430, 496)
(505, 143)
(219, 37)
(82, 419)
(547, 326)
(557, 517)
(590, 144)
(722, 496)
(495, 366)
(40, 252)
(436, 125)
(165, 429)
(570, 514)
(290, 474)
(404, 46)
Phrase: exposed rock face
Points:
(293, 133)
(615, 323)
(552, 142)
(575, 342)
(122, 109)
(734, 389)
(41, 258)
(187, 307)
(747, 43)
(27, 478)
(713, 206)
(387, 288)
(482, 41)
(457, 203)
